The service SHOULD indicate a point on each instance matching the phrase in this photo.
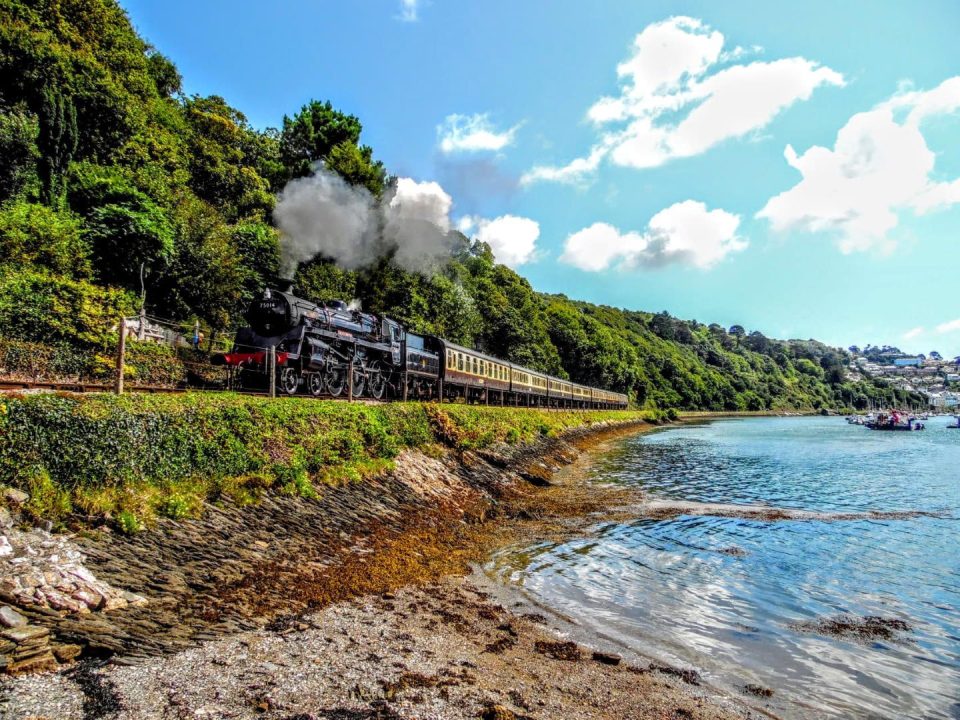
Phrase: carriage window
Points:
(474, 366)
(450, 362)
(460, 361)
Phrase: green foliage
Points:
(18, 148)
(126, 230)
(321, 133)
(312, 133)
(39, 235)
(128, 523)
(41, 306)
(135, 457)
(220, 167)
(25, 360)
(356, 165)
(56, 141)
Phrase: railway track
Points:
(7, 385)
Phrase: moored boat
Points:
(896, 422)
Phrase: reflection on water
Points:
(722, 593)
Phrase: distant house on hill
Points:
(908, 362)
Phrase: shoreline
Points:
(436, 588)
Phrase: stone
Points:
(22, 634)
(11, 618)
(17, 497)
(66, 653)
(606, 658)
(6, 519)
(133, 599)
(92, 601)
(497, 712)
(114, 603)
(6, 548)
(26, 653)
(41, 663)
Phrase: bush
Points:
(38, 235)
(40, 306)
(133, 457)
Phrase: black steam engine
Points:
(317, 347)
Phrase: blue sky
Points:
(636, 154)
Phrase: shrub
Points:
(136, 456)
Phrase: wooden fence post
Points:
(350, 380)
(121, 355)
(405, 381)
(272, 369)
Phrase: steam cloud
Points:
(323, 215)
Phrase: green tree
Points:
(312, 133)
(125, 229)
(56, 141)
(19, 131)
(38, 235)
(320, 133)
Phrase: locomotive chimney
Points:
(285, 285)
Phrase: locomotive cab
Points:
(392, 333)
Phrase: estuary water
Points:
(729, 596)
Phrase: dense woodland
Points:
(117, 189)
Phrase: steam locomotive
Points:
(317, 347)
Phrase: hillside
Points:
(118, 190)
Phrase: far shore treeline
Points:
(116, 186)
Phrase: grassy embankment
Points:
(127, 460)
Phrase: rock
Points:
(25, 633)
(14, 496)
(606, 658)
(5, 547)
(497, 712)
(6, 519)
(92, 601)
(41, 663)
(133, 599)
(26, 653)
(114, 603)
(66, 653)
(11, 618)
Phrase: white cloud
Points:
(685, 233)
(466, 224)
(472, 133)
(409, 10)
(601, 245)
(914, 333)
(877, 168)
(949, 327)
(424, 201)
(681, 94)
(513, 239)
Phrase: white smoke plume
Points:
(324, 215)
(416, 222)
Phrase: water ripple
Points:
(724, 592)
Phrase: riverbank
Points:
(239, 574)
